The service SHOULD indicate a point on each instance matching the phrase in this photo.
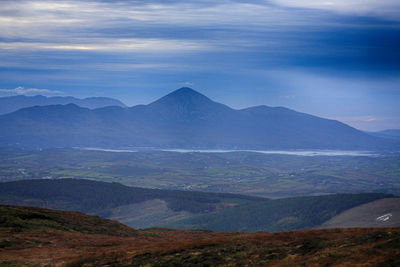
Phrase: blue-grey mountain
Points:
(181, 119)
(13, 103)
(390, 133)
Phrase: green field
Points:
(265, 175)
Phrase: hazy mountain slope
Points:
(39, 237)
(53, 125)
(182, 119)
(380, 213)
(13, 103)
(391, 133)
(141, 207)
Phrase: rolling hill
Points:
(181, 119)
(41, 237)
(13, 103)
(277, 215)
(143, 208)
(379, 213)
(113, 200)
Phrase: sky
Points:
(336, 59)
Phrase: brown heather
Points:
(40, 237)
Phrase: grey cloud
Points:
(25, 91)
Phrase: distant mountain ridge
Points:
(390, 133)
(181, 119)
(13, 103)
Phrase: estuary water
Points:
(309, 153)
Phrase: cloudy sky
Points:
(332, 58)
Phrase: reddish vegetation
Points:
(29, 244)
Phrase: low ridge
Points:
(13, 103)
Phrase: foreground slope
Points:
(22, 219)
(142, 208)
(181, 119)
(22, 243)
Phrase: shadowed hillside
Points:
(140, 207)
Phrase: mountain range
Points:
(181, 119)
(13, 103)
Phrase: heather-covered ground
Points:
(39, 237)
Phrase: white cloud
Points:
(370, 122)
(94, 25)
(91, 25)
(360, 119)
(189, 84)
(114, 45)
(26, 91)
(388, 9)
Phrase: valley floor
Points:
(248, 173)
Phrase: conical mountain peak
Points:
(183, 96)
(185, 90)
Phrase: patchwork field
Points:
(265, 175)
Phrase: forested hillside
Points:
(184, 209)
